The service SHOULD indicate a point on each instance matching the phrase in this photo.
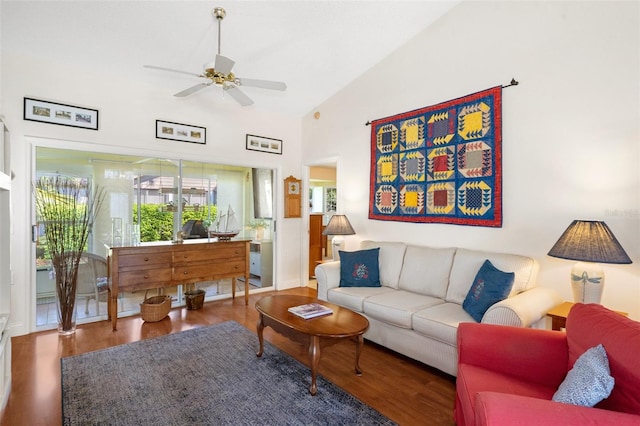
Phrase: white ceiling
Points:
(315, 47)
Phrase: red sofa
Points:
(508, 375)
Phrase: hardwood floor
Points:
(406, 391)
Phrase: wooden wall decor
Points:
(292, 197)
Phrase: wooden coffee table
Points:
(316, 333)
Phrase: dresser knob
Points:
(237, 267)
(185, 272)
(146, 259)
(146, 276)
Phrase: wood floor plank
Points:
(406, 391)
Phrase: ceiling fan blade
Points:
(172, 70)
(264, 84)
(238, 95)
(192, 89)
(223, 64)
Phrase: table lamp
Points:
(338, 226)
(590, 243)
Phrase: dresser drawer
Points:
(144, 259)
(204, 271)
(191, 256)
(144, 278)
(219, 251)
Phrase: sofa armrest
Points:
(328, 277)
(523, 309)
(528, 354)
(501, 409)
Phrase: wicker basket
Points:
(194, 299)
(155, 308)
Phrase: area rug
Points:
(203, 376)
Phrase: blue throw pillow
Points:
(490, 286)
(359, 268)
(589, 381)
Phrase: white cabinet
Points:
(261, 261)
(5, 266)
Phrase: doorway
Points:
(323, 203)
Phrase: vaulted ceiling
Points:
(315, 47)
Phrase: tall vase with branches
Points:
(68, 207)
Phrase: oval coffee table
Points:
(315, 333)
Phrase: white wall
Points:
(127, 114)
(570, 129)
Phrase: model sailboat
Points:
(226, 226)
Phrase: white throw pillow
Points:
(589, 381)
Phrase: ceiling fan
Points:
(219, 73)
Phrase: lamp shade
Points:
(338, 225)
(589, 241)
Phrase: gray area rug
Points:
(204, 376)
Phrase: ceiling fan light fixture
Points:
(218, 77)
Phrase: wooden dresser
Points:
(164, 265)
(317, 242)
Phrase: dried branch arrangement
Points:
(68, 209)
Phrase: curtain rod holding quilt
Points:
(513, 82)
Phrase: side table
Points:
(559, 315)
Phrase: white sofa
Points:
(418, 307)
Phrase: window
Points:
(149, 200)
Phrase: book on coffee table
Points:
(310, 310)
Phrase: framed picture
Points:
(64, 115)
(180, 132)
(260, 143)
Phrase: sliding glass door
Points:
(152, 200)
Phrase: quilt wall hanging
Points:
(440, 164)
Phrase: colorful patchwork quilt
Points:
(441, 163)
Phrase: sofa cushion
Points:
(589, 325)
(493, 408)
(390, 260)
(441, 322)
(466, 264)
(490, 286)
(354, 297)
(397, 307)
(359, 268)
(588, 382)
(426, 270)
